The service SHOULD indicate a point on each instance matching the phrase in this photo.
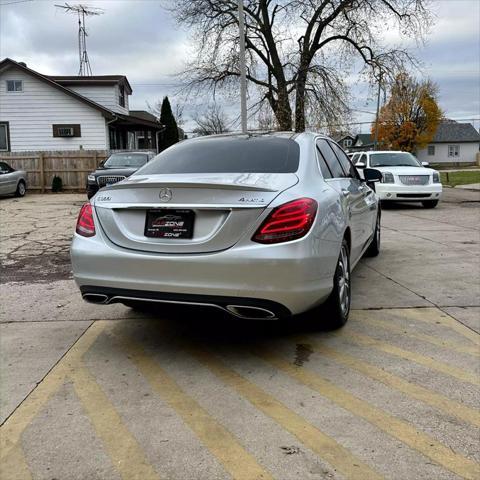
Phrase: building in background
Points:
(45, 113)
(453, 143)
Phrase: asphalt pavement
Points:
(92, 392)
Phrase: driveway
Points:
(91, 392)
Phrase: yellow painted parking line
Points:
(391, 425)
(326, 447)
(428, 362)
(418, 392)
(387, 325)
(11, 430)
(221, 443)
(123, 449)
(14, 466)
(439, 317)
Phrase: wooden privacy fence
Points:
(71, 166)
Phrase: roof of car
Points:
(249, 134)
(383, 151)
(130, 152)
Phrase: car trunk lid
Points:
(224, 207)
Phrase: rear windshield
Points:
(133, 160)
(227, 155)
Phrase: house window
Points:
(4, 137)
(347, 142)
(431, 150)
(14, 86)
(121, 96)
(454, 151)
(66, 130)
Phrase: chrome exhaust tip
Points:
(98, 298)
(252, 313)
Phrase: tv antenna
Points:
(82, 11)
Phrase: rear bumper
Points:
(285, 274)
(414, 193)
(239, 306)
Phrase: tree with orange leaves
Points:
(409, 120)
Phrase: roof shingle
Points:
(450, 131)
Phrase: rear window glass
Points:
(134, 160)
(227, 155)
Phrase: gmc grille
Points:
(414, 179)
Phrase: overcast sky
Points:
(139, 39)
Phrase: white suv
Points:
(405, 179)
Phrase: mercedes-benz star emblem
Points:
(165, 195)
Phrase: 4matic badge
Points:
(251, 200)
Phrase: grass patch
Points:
(460, 178)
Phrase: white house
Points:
(42, 113)
(453, 143)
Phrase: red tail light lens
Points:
(287, 222)
(85, 225)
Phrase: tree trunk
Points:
(300, 97)
(282, 110)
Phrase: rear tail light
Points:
(287, 222)
(85, 224)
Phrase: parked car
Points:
(261, 226)
(353, 156)
(405, 179)
(115, 168)
(12, 181)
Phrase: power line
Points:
(16, 1)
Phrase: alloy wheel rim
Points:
(344, 281)
(21, 189)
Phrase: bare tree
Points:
(265, 119)
(297, 50)
(212, 121)
(177, 108)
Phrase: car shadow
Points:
(402, 206)
(212, 328)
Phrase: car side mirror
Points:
(360, 165)
(372, 175)
(425, 164)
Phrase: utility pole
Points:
(243, 71)
(82, 11)
(375, 142)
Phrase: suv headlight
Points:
(91, 178)
(436, 177)
(387, 177)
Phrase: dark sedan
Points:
(117, 167)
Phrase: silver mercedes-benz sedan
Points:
(263, 226)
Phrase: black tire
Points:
(21, 189)
(430, 203)
(337, 307)
(374, 248)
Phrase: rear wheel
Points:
(430, 203)
(374, 248)
(337, 306)
(21, 189)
